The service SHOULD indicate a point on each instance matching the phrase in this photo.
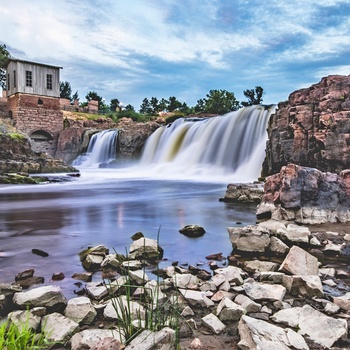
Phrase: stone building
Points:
(33, 92)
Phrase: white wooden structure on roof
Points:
(32, 78)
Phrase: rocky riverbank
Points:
(278, 289)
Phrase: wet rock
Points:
(216, 256)
(40, 252)
(300, 262)
(30, 281)
(258, 334)
(245, 192)
(92, 262)
(137, 236)
(83, 276)
(24, 274)
(145, 248)
(58, 276)
(50, 297)
(192, 231)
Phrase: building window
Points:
(49, 81)
(8, 81)
(29, 81)
(14, 79)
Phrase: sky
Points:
(132, 49)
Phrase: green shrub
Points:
(20, 338)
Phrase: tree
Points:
(145, 107)
(218, 102)
(65, 90)
(4, 55)
(93, 95)
(254, 96)
(75, 96)
(154, 105)
(129, 107)
(114, 105)
(173, 104)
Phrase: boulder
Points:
(50, 297)
(147, 340)
(305, 196)
(228, 310)
(258, 334)
(145, 248)
(320, 328)
(25, 320)
(196, 298)
(343, 301)
(249, 239)
(80, 310)
(192, 231)
(88, 339)
(59, 329)
(118, 306)
(306, 286)
(248, 304)
(263, 291)
(299, 262)
(213, 323)
(244, 192)
(295, 234)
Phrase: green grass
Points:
(20, 338)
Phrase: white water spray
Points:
(102, 149)
(230, 144)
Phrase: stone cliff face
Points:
(17, 156)
(312, 128)
(306, 196)
(74, 140)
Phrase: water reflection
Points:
(65, 219)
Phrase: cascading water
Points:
(102, 150)
(230, 144)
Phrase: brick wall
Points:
(31, 113)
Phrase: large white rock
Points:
(299, 262)
(249, 239)
(145, 248)
(80, 310)
(320, 328)
(50, 297)
(343, 301)
(96, 291)
(57, 328)
(260, 266)
(248, 304)
(232, 274)
(261, 335)
(24, 319)
(308, 286)
(213, 323)
(264, 291)
(162, 340)
(117, 307)
(228, 310)
(277, 246)
(295, 233)
(271, 226)
(289, 317)
(88, 338)
(185, 281)
(138, 276)
(196, 298)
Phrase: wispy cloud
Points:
(143, 48)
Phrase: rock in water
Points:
(192, 231)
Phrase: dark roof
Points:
(30, 62)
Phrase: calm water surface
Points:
(104, 207)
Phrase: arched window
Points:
(41, 135)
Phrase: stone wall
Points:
(30, 113)
(312, 128)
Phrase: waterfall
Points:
(233, 143)
(101, 151)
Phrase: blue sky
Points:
(132, 49)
